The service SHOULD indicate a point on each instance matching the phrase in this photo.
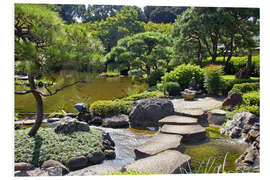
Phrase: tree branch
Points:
(59, 89)
(23, 92)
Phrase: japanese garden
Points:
(128, 90)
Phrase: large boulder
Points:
(241, 124)
(118, 121)
(147, 112)
(69, 125)
(232, 100)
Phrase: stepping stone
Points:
(178, 120)
(94, 170)
(168, 162)
(157, 144)
(190, 133)
(217, 116)
(196, 112)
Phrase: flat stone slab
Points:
(168, 162)
(157, 144)
(94, 170)
(190, 133)
(217, 116)
(193, 112)
(178, 120)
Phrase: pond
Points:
(213, 148)
(99, 88)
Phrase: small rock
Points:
(54, 171)
(99, 169)
(118, 121)
(22, 166)
(53, 163)
(79, 162)
(85, 117)
(232, 100)
(249, 159)
(217, 117)
(35, 172)
(70, 125)
(96, 158)
(81, 107)
(109, 154)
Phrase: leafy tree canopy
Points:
(142, 53)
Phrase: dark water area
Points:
(98, 88)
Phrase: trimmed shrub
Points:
(252, 109)
(105, 108)
(49, 145)
(136, 97)
(251, 98)
(173, 88)
(228, 84)
(245, 87)
(183, 75)
(154, 78)
(213, 79)
(236, 63)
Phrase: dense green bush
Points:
(228, 84)
(183, 74)
(251, 98)
(154, 78)
(105, 108)
(213, 79)
(172, 88)
(49, 145)
(245, 87)
(236, 63)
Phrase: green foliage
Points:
(49, 145)
(213, 79)
(172, 88)
(183, 75)
(142, 53)
(154, 78)
(236, 63)
(135, 97)
(105, 108)
(251, 98)
(254, 109)
(158, 27)
(245, 87)
(228, 84)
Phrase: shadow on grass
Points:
(36, 152)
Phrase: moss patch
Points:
(49, 145)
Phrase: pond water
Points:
(100, 88)
(126, 140)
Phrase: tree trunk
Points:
(248, 65)
(214, 55)
(199, 53)
(39, 103)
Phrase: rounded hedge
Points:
(183, 75)
(252, 98)
(245, 87)
(173, 88)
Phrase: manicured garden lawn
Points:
(232, 77)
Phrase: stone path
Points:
(157, 144)
(168, 162)
(161, 154)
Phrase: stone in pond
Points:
(157, 144)
(190, 133)
(167, 162)
(178, 120)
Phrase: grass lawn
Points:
(232, 77)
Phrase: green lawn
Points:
(232, 77)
